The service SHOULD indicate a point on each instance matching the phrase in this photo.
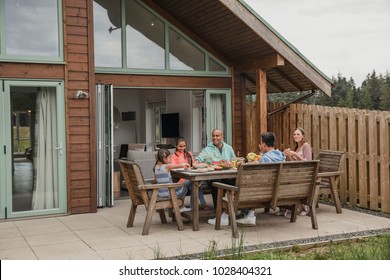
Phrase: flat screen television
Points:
(170, 125)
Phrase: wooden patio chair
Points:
(146, 194)
(330, 170)
(255, 185)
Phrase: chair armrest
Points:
(329, 174)
(159, 186)
(150, 181)
(225, 186)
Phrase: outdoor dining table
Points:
(196, 178)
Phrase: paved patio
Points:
(104, 235)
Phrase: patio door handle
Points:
(60, 150)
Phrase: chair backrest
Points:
(256, 183)
(133, 178)
(297, 182)
(145, 160)
(330, 161)
(137, 146)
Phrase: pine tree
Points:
(385, 93)
(371, 87)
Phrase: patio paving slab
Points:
(104, 235)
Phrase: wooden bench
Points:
(269, 185)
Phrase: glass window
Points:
(183, 55)
(148, 41)
(215, 66)
(107, 25)
(145, 38)
(31, 28)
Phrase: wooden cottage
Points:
(80, 79)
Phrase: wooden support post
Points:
(261, 101)
(117, 184)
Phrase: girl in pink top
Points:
(183, 156)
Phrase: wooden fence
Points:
(363, 135)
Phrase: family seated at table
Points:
(216, 151)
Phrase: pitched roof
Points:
(246, 42)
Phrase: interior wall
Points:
(128, 131)
(177, 101)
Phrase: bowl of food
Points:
(200, 165)
(224, 164)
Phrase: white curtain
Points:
(217, 117)
(45, 195)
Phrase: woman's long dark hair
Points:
(187, 155)
(303, 138)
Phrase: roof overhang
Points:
(239, 37)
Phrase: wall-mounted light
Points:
(112, 29)
(81, 95)
(152, 22)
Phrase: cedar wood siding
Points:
(79, 68)
(78, 33)
(78, 74)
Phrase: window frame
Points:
(31, 58)
(167, 70)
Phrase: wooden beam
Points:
(261, 102)
(263, 62)
(269, 82)
(163, 81)
(275, 85)
(287, 79)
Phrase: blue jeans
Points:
(202, 201)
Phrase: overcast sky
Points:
(351, 37)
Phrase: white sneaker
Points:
(224, 221)
(247, 221)
(184, 209)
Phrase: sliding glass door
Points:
(105, 147)
(33, 156)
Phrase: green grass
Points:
(369, 248)
(363, 248)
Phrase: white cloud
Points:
(351, 37)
